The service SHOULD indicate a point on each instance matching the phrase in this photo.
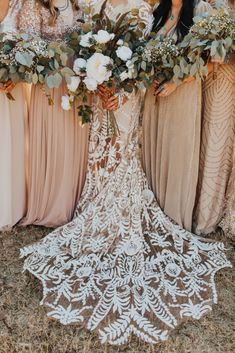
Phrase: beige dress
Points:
(122, 267)
(57, 143)
(13, 125)
(172, 128)
(216, 157)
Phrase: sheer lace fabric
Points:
(121, 267)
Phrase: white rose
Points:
(103, 37)
(86, 40)
(65, 103)
(91, 84)
(97, 68)
(124, 53)
(74, 83)
(120, 42)
(78, 65)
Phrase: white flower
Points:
(120, 42)
(124, 53)
(65, 103)
(103, 37)
(124, 75)
(78, 65)
(129, 64)
(74, 83)
(127, 74)
(97, 68)
(91, 84)
(86, 40)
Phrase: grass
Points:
(24, 327)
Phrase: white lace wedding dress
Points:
(122, 267)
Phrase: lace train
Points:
(122, 266)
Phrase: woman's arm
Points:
(4, 7)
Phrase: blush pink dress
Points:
(57, 142)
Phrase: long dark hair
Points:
(163, 11)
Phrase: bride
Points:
(122, 267)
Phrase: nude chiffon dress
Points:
(171, 133)
(58, 145)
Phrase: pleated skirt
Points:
(171, 146)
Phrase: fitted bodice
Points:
(8, 25)
(36, 19)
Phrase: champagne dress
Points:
(172, 132)
(13, 126)
(58, 145)
(216, 156)
(122, 267)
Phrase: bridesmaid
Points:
(58, 145)
(13, 123)
(216, 157)
(172, 123)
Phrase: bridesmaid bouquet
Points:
(108, 53)
(26, 58)
(211, 38)
(162, 54)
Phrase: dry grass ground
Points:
(24, 327)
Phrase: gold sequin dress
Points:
(216, 156)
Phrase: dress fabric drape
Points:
(58, 145)
(172, 133)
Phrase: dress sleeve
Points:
(146, 15)
(29, 19)
(202, 8)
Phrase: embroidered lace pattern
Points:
(122, 267)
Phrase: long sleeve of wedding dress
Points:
(122, 267)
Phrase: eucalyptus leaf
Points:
(24, 59)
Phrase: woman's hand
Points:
(7, 87)
(104, 92)
(164, 89)
(112, 103)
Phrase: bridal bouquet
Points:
(26, 58)
(108, 53)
